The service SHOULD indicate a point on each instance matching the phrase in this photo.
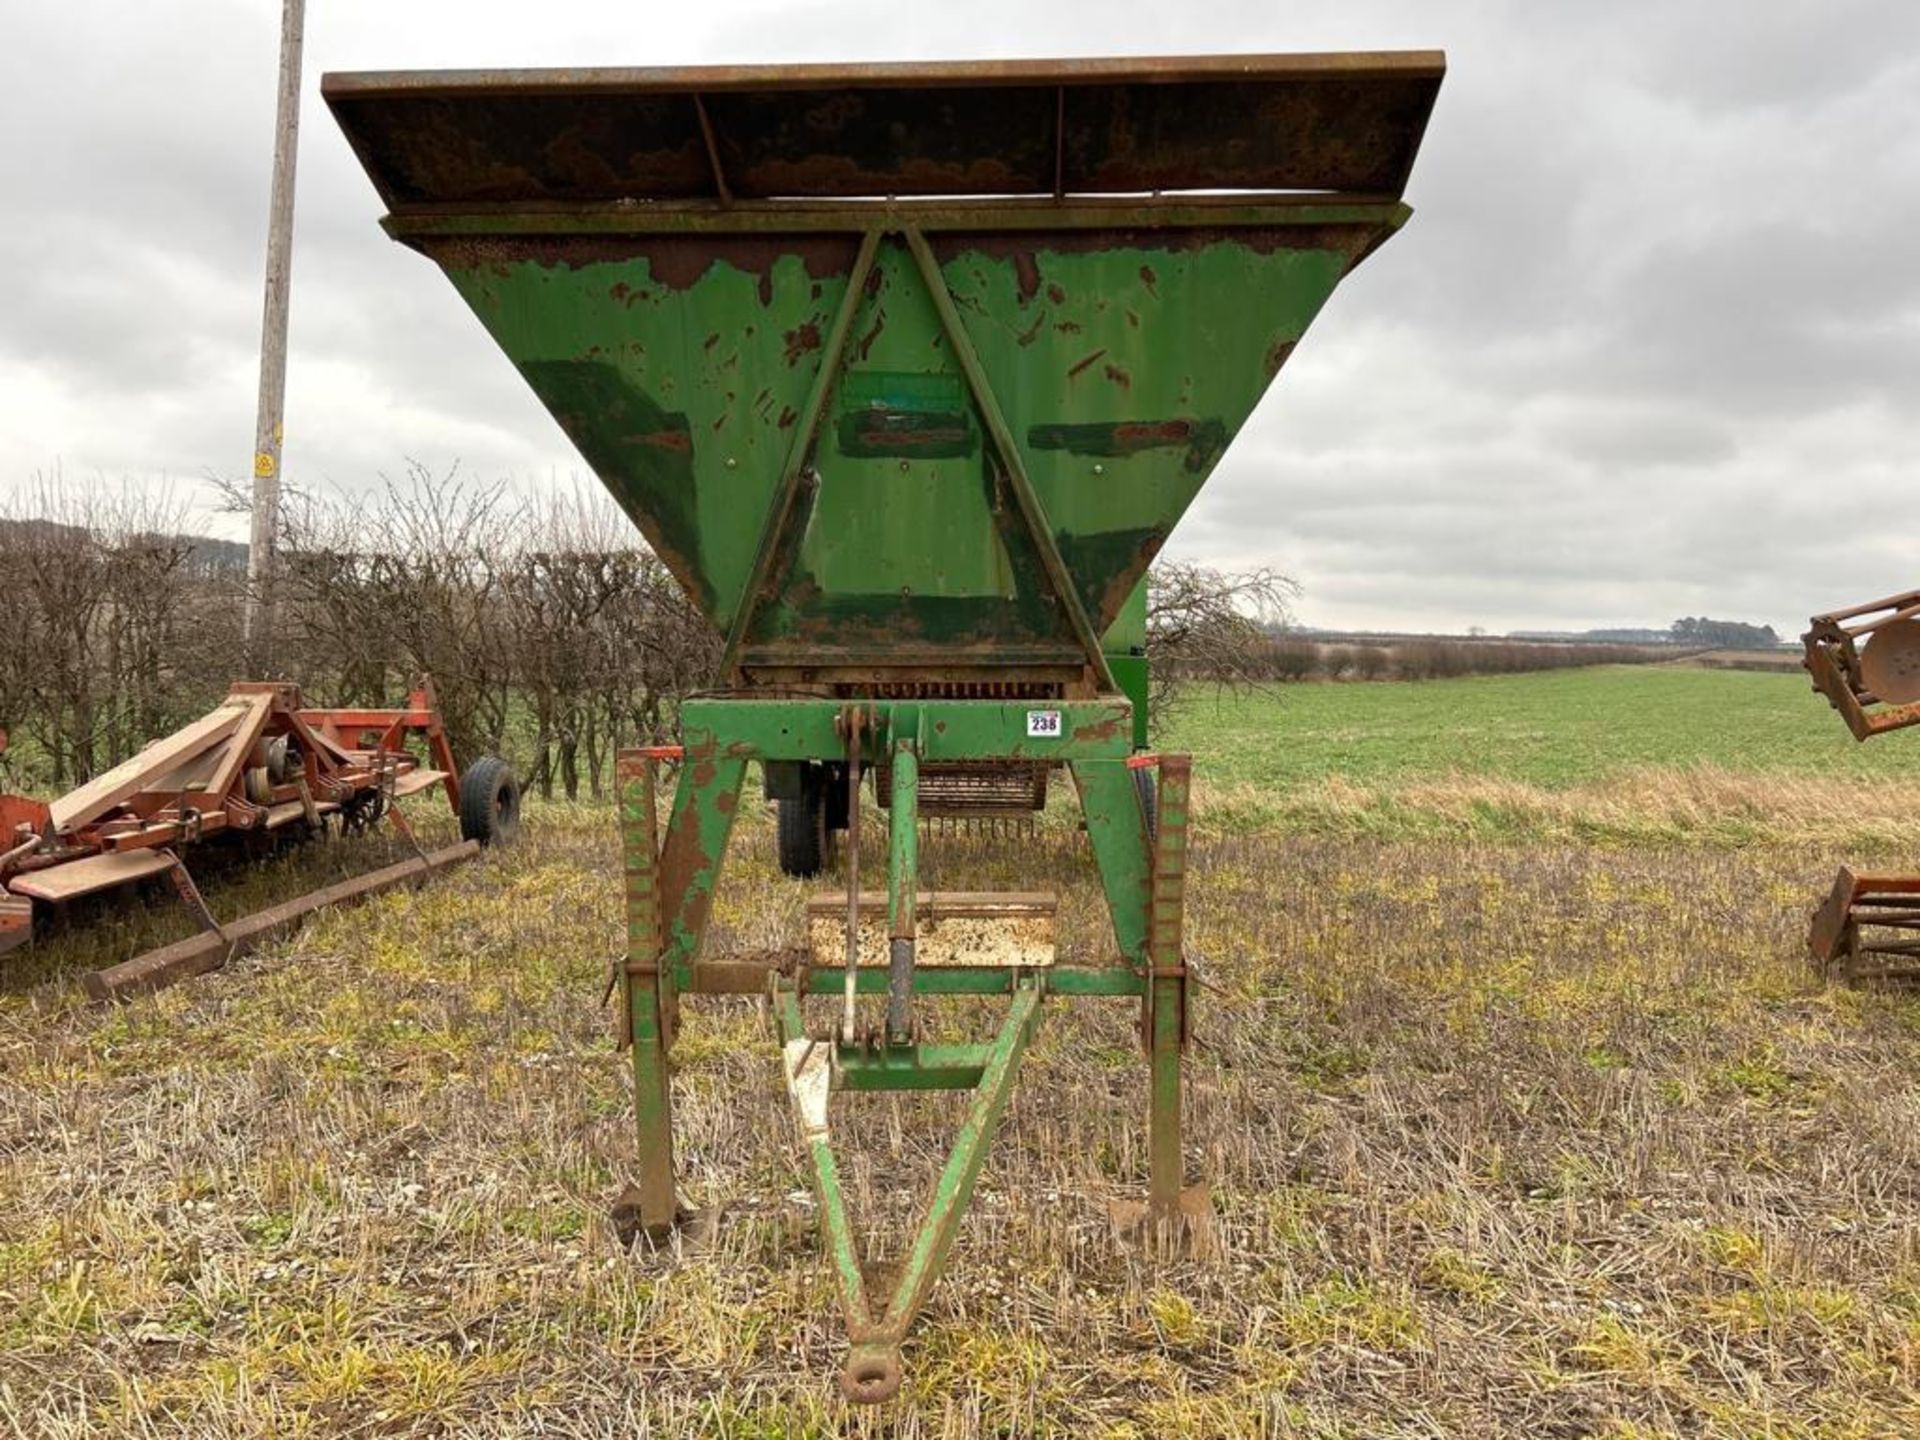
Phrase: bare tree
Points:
(1211, 624)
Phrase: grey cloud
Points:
(1648, 346)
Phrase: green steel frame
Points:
(670, 882)
(907, 373)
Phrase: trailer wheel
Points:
(489, 802)
(802, 834)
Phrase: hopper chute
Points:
(900, 367)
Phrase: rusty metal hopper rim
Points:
(1344, 124)
(890, 74)
(929, 215)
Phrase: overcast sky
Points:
(1649, 347)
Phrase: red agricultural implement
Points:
(1866, 661)
(258, 770)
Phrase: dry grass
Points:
(1533, 1138)
(1649, 806)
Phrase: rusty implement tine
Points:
(169, 964)
(306, 804)
(190, 896)
(1826, 935)
(405, 828)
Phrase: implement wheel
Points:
(802, 833)
(489, 802)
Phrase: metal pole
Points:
(903, 881)
(273, 344)
(849, 1013)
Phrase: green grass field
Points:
(1639, 755)
(1557, 729)
(1523, 1113)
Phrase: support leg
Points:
(903, 881)
(652, 1203)
(1167, 994)
(1152, 912)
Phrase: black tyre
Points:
(489, 802)
(1149, 801)
(802, 833)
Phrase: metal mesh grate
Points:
(959, 690)
(966, 789)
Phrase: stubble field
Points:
(1521, 1110)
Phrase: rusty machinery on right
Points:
(1866, 661)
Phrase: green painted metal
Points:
(892, 442)
(1126, 645)
(646, 986)
(1093, 738)
(835, 1225)
(1061, 585)
(803, 729)
(704, 805)
(1071, 980)
(1120, 373)
(903, 885)
(912, 1067)
(1169, 994)
(1117, 834)
(776, 548)
(996, 1065)
(955, 1185)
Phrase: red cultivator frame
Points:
(1866, 661)
(258, 768)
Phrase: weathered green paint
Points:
(1080, 383)
(645, 985)
(1059, 593)
(903, 884)
(1130, 674)
(1094, 739)
(1126, 645)
(1071, 980)
(1170, 993)
(919, 435)
(704, 805)
(934, 1238)
(1117, 834)
(803, 729)
(779, 535)
(842, 1247)
(996, 1066)
(912, 1067)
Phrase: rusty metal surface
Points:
(254, 764)
(1890, 662)
(211, 949)
(1868, 929)
(1866, 660)
(1348, 123)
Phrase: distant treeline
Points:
(1723, 634)
(551, 633)
(1295, 658)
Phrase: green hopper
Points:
(907, 372)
